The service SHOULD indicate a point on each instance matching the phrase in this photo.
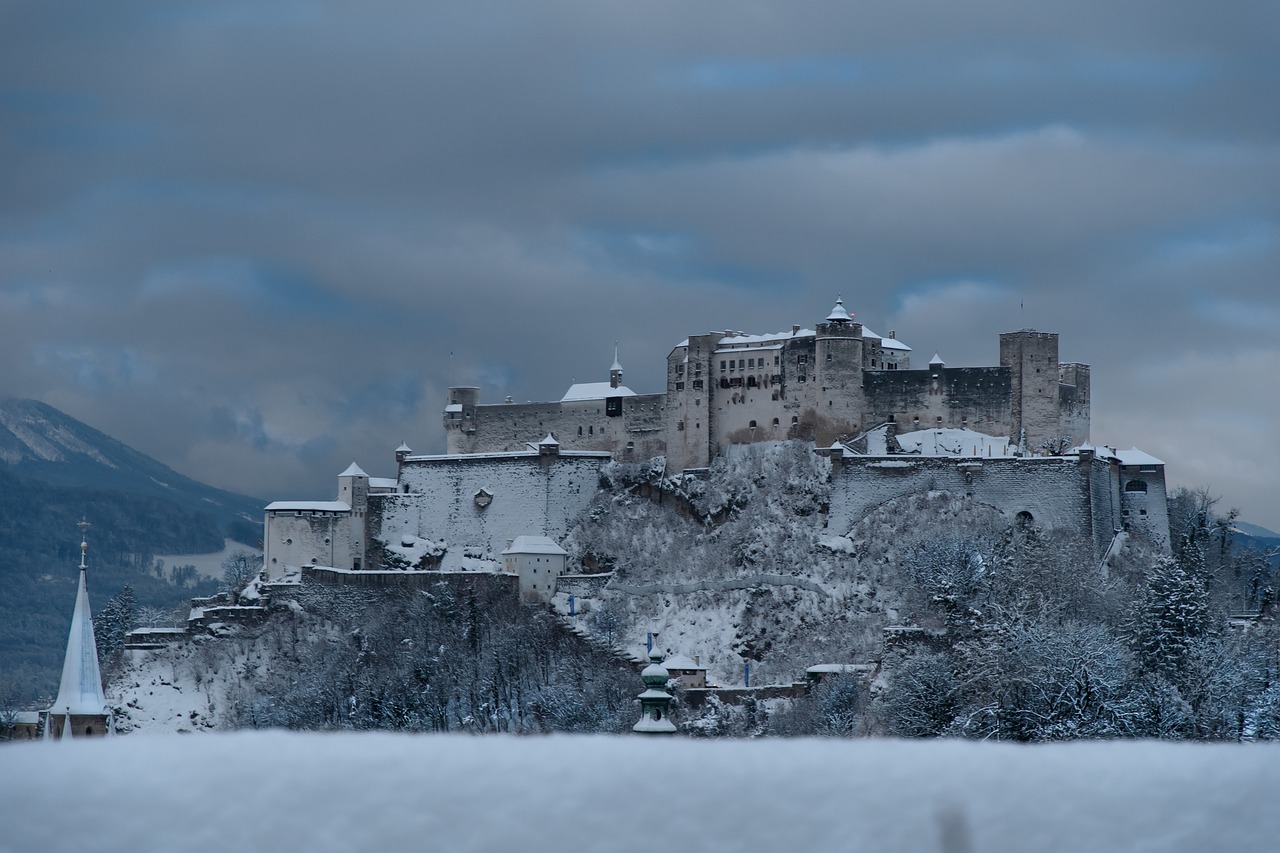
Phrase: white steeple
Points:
(81, 689)
(615, 372)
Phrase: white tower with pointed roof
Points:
(615, 370)
(81, 705)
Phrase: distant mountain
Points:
(38, 442)
(55, 470)
(1256, 531)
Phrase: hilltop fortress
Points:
(1013, 436)
(830, 383)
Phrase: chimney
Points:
(795, 328)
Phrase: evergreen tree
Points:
(1174, 611)
(113, 622)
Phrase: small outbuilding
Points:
(537, 561)
(689, 671)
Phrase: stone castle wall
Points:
(637, 433)
(1054, 491)
(527, 494)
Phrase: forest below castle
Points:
(966, 625)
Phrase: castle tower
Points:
(353, 490)
(81, 707)
(615, 372)
(1032, 359)
(837, 375)
(460, 419)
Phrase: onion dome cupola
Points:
(839, 314)
(655, 701)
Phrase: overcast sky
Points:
(245, 237)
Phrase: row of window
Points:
(751, 363)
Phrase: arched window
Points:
(775, 421)
(752, 424)
(1135, 486)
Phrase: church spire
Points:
(615, 372)
(81, 689)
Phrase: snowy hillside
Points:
(279, 791)
(771, 584)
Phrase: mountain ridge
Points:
(40, 442)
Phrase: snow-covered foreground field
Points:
(281, 791)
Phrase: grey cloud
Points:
(245, 237)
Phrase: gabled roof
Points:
(535, 545)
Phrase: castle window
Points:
(1135, 486)
(733, 366)
(722, 365)
(697, 384)
(829, 358)
(775, 421)
(591, 430)
(752, 425)
(679, 386)
(579, 432)
(802, 358)
(751, 382)
(288, 541)
(751, 362)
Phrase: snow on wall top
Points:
(308, 506)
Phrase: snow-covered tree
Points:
(238, 569)
(1172, 612)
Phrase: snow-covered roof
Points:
(80, 691)
(383, 483)
(950, 441)
(308, 506)
(1132, 456)
(885, 343)
(682, 662)
(453, 407)
(765, 348)
(739, 341)
(937, 359)
(594, 391)
(549, 441)
(353, 470)
(404, 448)
(535, 545)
